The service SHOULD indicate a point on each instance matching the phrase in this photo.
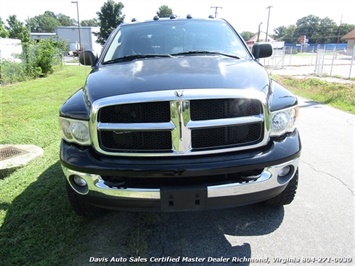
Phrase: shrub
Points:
(12, 72)
(37, 60)
(45, 55)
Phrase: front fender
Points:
(76, 107)
(281, 98)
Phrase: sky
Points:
(244, 15)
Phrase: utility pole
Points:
(257, 40)
(216, 8)
(77, 12)
(336, 46)
(267, 27)
(341, 21)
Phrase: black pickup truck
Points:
(178, 115)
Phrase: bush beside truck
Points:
(38, 59)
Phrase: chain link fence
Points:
(319, 60)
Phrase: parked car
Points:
(178, 115)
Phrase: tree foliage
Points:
(164, 12)
(48, 21)
(344, 29)
(65, 20)
(3, 31)
(17, 30)
(247, 35)
(286, 34)
(42, 24)
(316, 30)
(45, 53)
(90, 22)
(109, 18)
(37, 59)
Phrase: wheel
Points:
(80, 206)
(286, 196)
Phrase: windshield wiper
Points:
(205, 52)
(134, 56)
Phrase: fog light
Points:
(79, 181)
(285, 171)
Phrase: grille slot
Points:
(226, 136)
(136, 113)
(224, 108)
(136, 141)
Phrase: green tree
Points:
(247, 35)
(309, 26)
(109, 17)
(316, 30)
(90, 22)
(286, 34)
(3, 31)
(280, 32)
(42, 23)
(65, 20)
(48, 21)
(164, 12)
(344, 29)
(50, 14)
(17, 29)
(328, 29)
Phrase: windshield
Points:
(174, 37)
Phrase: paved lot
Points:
(319, 224)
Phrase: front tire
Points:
(80, 206)
(286, 196)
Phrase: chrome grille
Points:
(167, 123)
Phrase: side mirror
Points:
(262, 50)
(88, 58)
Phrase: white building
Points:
(10, 49)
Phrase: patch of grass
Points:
(33, 205)
(37, 224)
(338, 95)
(29, 109)
(74, 60)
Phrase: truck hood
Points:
(176, 73)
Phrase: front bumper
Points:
(272, 159)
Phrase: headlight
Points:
(75, 130)
(283, 121)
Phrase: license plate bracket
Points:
(183, 199)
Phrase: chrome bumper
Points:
(269, 179)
